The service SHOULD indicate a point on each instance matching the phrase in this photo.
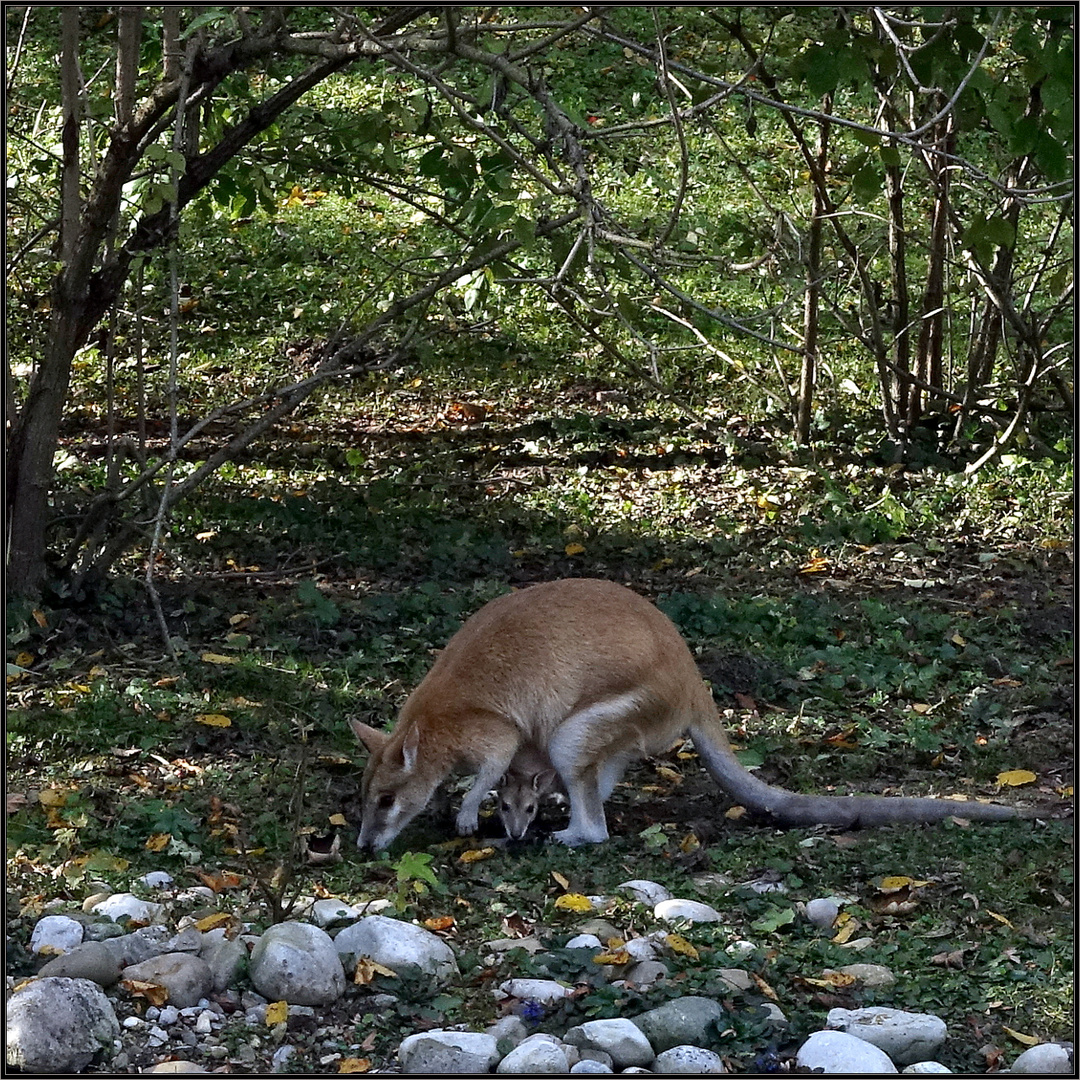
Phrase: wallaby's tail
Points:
(847, 811)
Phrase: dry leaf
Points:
(154, 992)
(354, 1065)
(221, 879)
(573, 902)
(575, 549)
(1000, 918)
(560, 879)
(734, 813)
(213, 922)
(443, 922)
(679, 945)
(338, 819)
(218, 658)
(1016, 777)
(689, 843)
(618, 957)
(159, 841)
(1026, 1040)
(213, 719)
(277, 1012)
(367, 969)
(476, 854)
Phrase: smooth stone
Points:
(225, 959)
(536, 1054)
(640, 949)
(925, 1067)
(822, 912)
(157, 879)
(687, 1059)
(93, 960)
(1044, 1058)
(544, 991)
(298, 963)
(326, 912)
(870, 975)
(186, 978)
(904, 1036)
(621, 1038)
(686, 1021)
(691, 910)
(584, 941)
(838, 1052)
(120, 905)
(737, 979)
(511, 1028)
(448, 1052)
(646, 892)
(587, 1065)
(55, 934)
(177, 1066)
(401, 946)
(59, 1025)
(645, 973)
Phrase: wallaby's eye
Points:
(506, 808)
(530, 809)
(385, 800)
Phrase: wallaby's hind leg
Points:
(589, 769)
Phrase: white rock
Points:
(401, 946)
(59, 1025)
(687, 1059)
(177, 1066)
(544, 991)
(187, 978)
(536, 1054)
(620, 1038)
(775, 1014)
(925, 1067)
(511, 1028)
(691, 910)
(873, 975)
(325, 912)
(1044, 1058)
(838, 1052)
(168, 1015)
(740, 950)
(646, 892)
(157, 879)
(588, 1066)
(904, 1036)
(585, 941)
(131, 1022)
(118, 905)
(448, 1052)
(55, 934)
(298, 963)
(822, 912)
(640, 949)
(204, 1025)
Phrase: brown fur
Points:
(595, 677)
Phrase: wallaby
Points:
(530, 777)
(596, 677)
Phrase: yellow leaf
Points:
(678, 944)
(213, 922)
(213, 720)
(573, 902)
(1026, 1040)
(618, 957)
(921, 708)
(956, 639)
(155, 993)
(898, 882)
(670, 775)
(354, 1065)
(689, 843)
(40, 618)
(476, 854)
(733, 813)
(239, 617)
(338, 819)
(367, 969)
(560, 879)
(441, 922)
(25, 659)
(217, 658)
(1000, 918)
(53, 797)
(1016, 777)
(846, 926)
(159, 841)
(277, 1013)
(574, 549)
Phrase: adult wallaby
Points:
(596, 677)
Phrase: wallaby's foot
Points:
(576, 838)
(467, 823)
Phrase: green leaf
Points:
(866, 183)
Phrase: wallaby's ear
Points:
(410, 747)
(372, 738)
(544, 781)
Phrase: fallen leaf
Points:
(476, 854)
(1026, 1040)
(354, 1065)
(277, 1012)
(618, 957)
(1000, 918)
(443, 922)
(764, 987)
(679, 945)
(689, 843)
(158, 841)
(217, 658)
(367, 969)
(1016, 777)
(155, 993)
(574, 549)
(733, 813)
(220, 879)
(215, 921)
(213, 720)
(573, 902)
(560, 879)
(338, 819)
